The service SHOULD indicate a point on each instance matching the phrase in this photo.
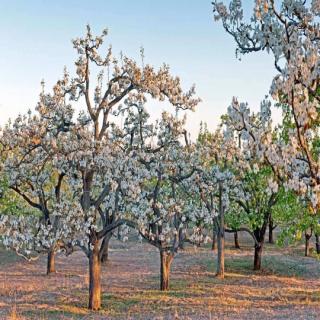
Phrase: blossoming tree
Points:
(213, 185)
(290, 32)
(28, 170)
(258, 192)
(163, 211)
(94, 143)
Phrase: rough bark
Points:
(51, 266)
(318, 243)
(104, 250)
(94, 278)
(165, 264)
(307, 244)
(236, 240)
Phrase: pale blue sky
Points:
(36, 43)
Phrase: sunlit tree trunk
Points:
(94, 278)
(51, 266)
(165, 264)
(94, 250)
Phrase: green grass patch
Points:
(116, 304)
(280, 265)
(242, 265)
(52, 315)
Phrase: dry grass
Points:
(287, 287)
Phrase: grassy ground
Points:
(287, 287)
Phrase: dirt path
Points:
(288, 287)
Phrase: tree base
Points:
(219, 275)
(51, 268)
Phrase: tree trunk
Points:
(119, 233)
(220, 263)
(271, 227)
(165, 263)
(214, 239)
(307, 244)
(258, 247)
(259, 235)
(236, 240)
(181, 239)
(257, 256)
(104, 250)
(51, 266)
(94, 278)
(220, 266)
(318, 243)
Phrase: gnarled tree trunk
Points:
(165, 264)
(318, 243)
(94, 278)
(51, 266)
(236, 240)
